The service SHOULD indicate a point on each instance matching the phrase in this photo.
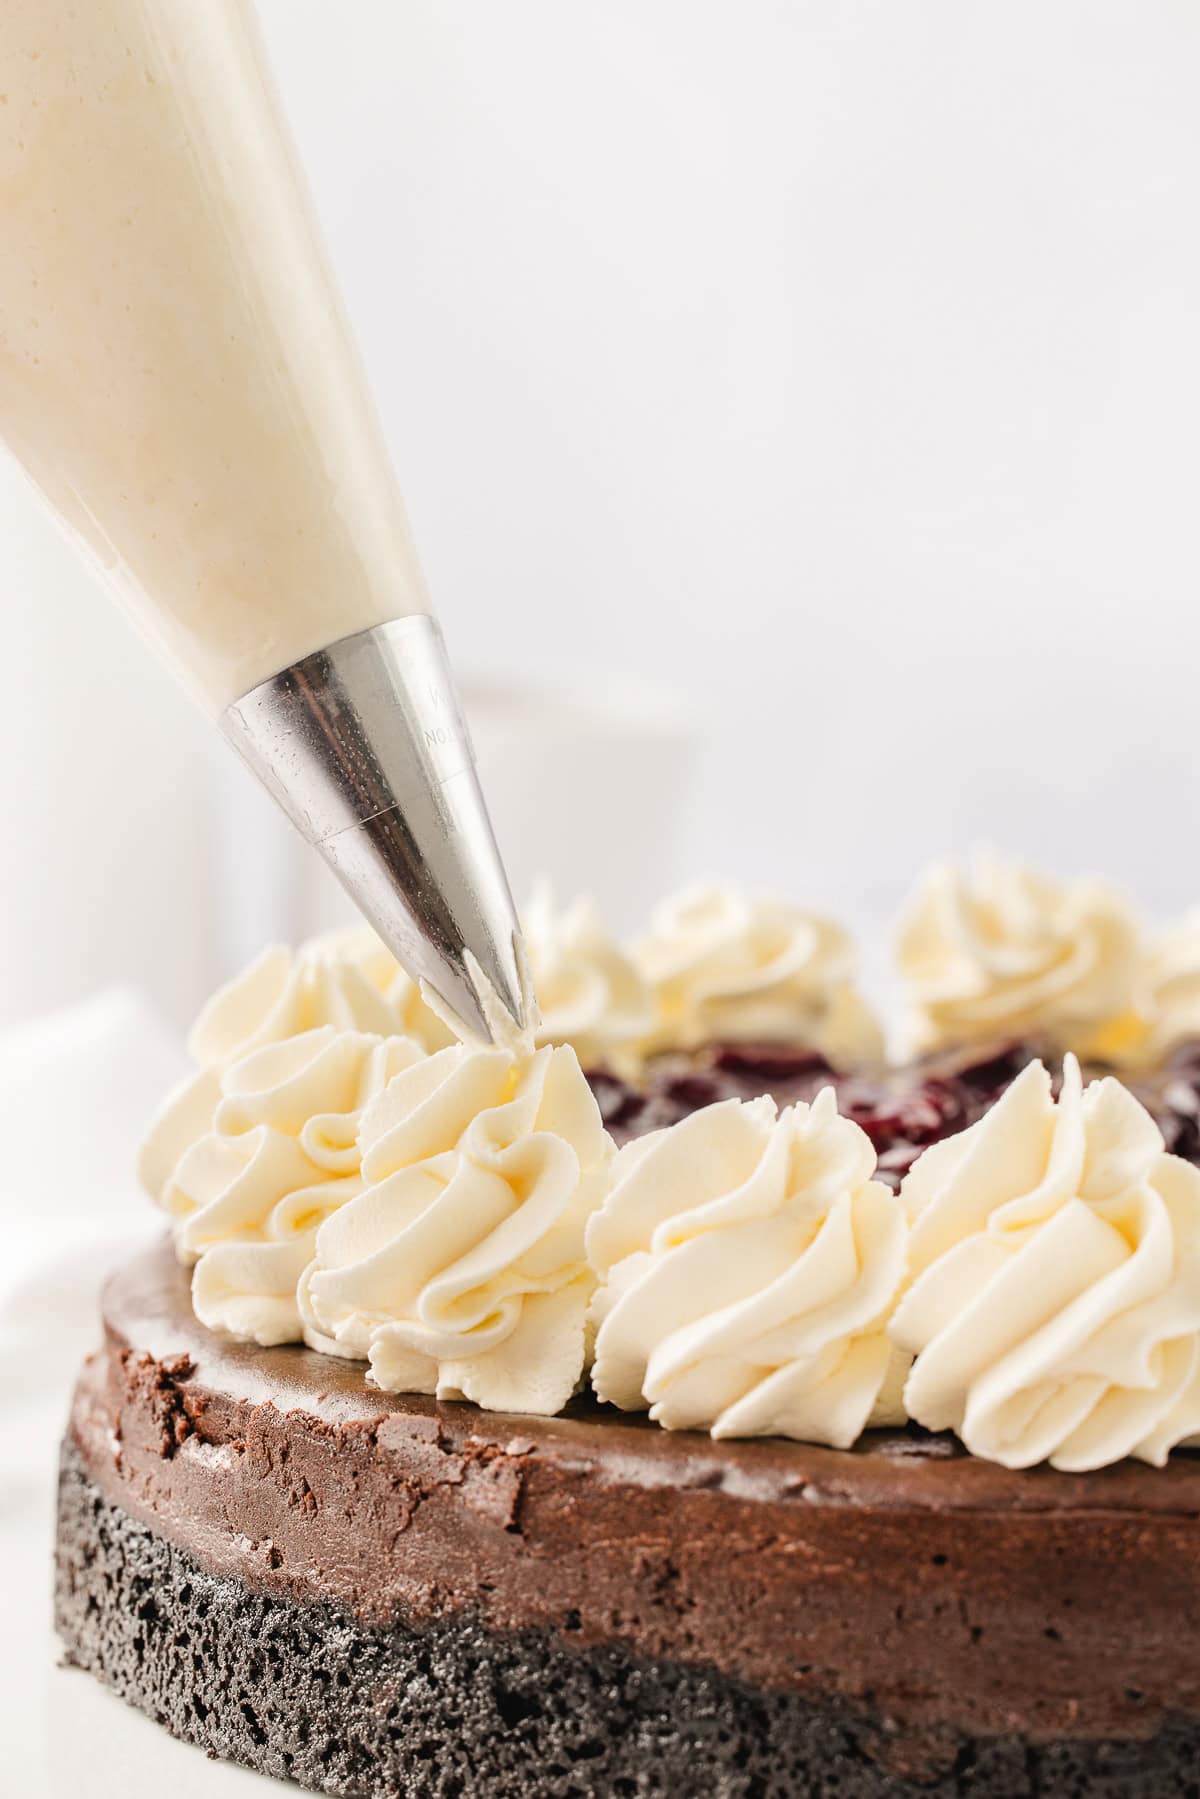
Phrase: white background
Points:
(835, 364)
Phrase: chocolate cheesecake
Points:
(739, 1583)
(380, 1594)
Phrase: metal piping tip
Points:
(364, 746)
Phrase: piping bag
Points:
(178, 379)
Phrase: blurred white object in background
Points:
(591, 782)
(76, 1090)
(107, 797)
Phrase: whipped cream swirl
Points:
(283, 993)
(358, 948)
(723, 967)
(460, 1268)
(589, 993)
(346, 979)
(1172, 976)
(748, 1262)
(342, 986)
(1004, 952)
(1054, 1310)
(247, 1180)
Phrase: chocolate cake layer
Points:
(456, 1710)
(940, 1600)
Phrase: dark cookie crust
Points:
(451, 1709)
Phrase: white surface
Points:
(63, 1735)
(75, 1092)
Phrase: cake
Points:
(881, 1563)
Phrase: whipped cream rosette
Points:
(999, 951)
(726, 968)
(285, 992)
(360, 949)
(346, 981)
(748, 1262)
(589, 992)
(334, 981)
(1172, 979)
(281, 995)
(247, 1181)
(1054, 1311)
(460, 1268)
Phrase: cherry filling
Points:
(902, 1110)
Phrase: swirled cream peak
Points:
(460, 1268)
(360, 949)
(1054, 1310)
(345, 983)
(747, 1262)
(248, 1175)
(999, 951)
(346, 979)
(175, 370)
(724, 967)
(589, 992)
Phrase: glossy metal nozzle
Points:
(364, 746)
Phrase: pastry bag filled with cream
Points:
(177, 377)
